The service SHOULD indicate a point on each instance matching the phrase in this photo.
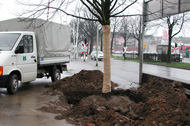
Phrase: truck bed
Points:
(52, 60)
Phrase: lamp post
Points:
(97, 46)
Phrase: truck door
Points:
(26, 58)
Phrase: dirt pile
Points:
(157, 103)
(165, 103)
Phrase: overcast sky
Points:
(6, 9)
(9, 9)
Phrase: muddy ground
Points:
(157, 103)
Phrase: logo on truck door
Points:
(24, 58)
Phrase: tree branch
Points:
(97, 16)
(123, 9)
(180, 27)
(113, 5)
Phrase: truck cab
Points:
(18, 59)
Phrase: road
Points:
(123, 73)
(21, 109)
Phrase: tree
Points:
(124, 30)
(89, 30)
(114, 25)
(73, 25)
(173, 21)
(135, 28)
(102, 10)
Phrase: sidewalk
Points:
(186, 60)
(170, 73)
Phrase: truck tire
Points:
(56, 75)
(12, 84)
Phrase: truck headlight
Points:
(1, 70)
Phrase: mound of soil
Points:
(157, 103)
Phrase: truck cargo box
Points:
(53, 39)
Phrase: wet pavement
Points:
(21, 109)
(126, 73)
(122, 72)
(170, 73)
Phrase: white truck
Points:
(30, 50)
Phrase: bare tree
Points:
(115, 23)
(103, 10)
(73, 25)
(135, 28)
(124, 29)
(89, 29)
(172, 22)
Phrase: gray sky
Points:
(9, 9)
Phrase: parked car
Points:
(92, 55)
(118, 52)
(100, 55)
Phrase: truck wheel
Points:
(12, 84)
(56, 75)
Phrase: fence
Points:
(154, 56)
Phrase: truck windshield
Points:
(7, 41)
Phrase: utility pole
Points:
(77, 38)
(97, 46)
(143, 24)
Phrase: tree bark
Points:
(125, 42)
(91, 44)
(169, 44)
(107, 65)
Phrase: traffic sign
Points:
(144, 45)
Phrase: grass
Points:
(172, 64)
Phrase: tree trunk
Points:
(91, 44)
(169, 45)
(101, 49)
(125, 42)
(107, 65)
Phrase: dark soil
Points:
(157, 103)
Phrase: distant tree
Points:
(115, 24)
(173, 22)
(89, 29)
(73, 25)
(135, 30)
(124, 30)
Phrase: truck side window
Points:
(27, 43)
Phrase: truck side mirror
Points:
(20, 49)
